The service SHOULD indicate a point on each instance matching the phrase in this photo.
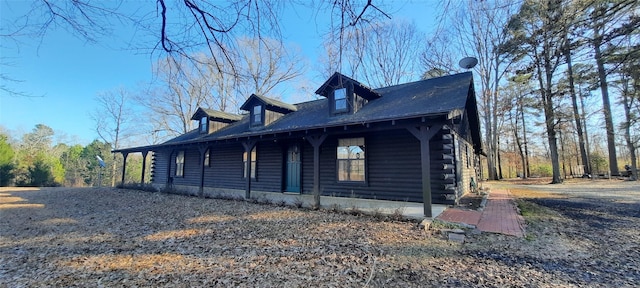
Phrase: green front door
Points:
(293, 169)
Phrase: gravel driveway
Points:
(92, 237)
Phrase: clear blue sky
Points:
(64, 74)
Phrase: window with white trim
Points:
(351, 155)
(180, 164)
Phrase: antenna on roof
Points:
(468, 62)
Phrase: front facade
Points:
(415, 142)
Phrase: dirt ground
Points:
(108, 237)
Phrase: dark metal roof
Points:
(271, 103)
(443, 96)
(215, 115)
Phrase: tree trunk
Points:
(606, 106)
(491, 155)
(547, 102)
(524, 140)
(627, 103)
(517, 137)
(574, 102)
(587, 165)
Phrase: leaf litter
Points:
(108, 237)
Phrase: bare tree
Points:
(183, 29)
(476, 29)
(114, 118)
(610, 21)
(382, 53)
(536, 33)
(518, 90)
(439, 58)
(265, 64)
(350, 20)
(261, 65)
(171, 104)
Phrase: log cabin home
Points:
(415, 142)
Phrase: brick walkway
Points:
(499, 216)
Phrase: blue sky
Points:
(63, 74)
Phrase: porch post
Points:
(202, 150)
(424, 134)
(124, 165)
(316, 141)
(169, 181)
(248, 146)
(144, 166)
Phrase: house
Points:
(416, 142)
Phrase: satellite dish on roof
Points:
(468, 62)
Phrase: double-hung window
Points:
(203, 124)
(257, 115)
(180, 164)
(351, 166)
(253, 163)
(340, 99)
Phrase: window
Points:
(180, 164)
(257, 114)
(207, 158)
(351, 160)
(253, 163)
(203, 124)
(340, 98)
(466, 148)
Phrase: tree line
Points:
(35, 160)
(539, 63)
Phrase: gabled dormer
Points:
(345, 94)
(212, 120)
(264, 110)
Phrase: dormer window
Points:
(340, 99)
(204, 124)
(263, 110)
(257, 115)
(346, 95)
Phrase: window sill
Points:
(353, 183)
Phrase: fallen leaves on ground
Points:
(110, 237)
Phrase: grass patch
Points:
(533, 213)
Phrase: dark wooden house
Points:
(416, 142)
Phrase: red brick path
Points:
(500, 215)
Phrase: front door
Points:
(293, 169)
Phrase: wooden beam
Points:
(202, 151)
(316, 141)
(144, 166)
(424, 134)
(124, 165)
